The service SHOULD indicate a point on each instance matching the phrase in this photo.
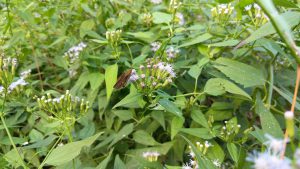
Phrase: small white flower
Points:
(216, 162)
(20, 82)
(25, 143)
(133, 76)
(192, 154)
(274, 145)
(156, 1)
(180, 18)
(172, 52)
(289, 115)
(60, 144)
(25, 74)
(207, 144)
(256, 6)
(1, 89)
(248, 7)
(186, 166)
(155, 46)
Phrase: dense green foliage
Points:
(203, 82)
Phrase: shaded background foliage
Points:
(250, 85)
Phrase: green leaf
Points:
(176, 125)
(96, 79)
(143, 137)
(86, 26)
(240, 72)
(124, 132)
(68, 152)
(268, 122)
(119, 164)
(170, 107)
(159, 117)
(233, 151)
(42, 143)
(160, 17)
(203, 133)
(218, 86)
(123, 114)
(196, 40)
(199, 117)
(232, 42)
(134, 100)
(144, 36)
(104, 163)
(111, 75)
(292, 19)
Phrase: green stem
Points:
(8, 133)
(271, 84)
(281, 27)
(54, 145)
(189, 94)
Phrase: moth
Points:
(123, 79)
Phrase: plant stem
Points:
(281, 27)
(8, 133)
(292, 110)
(271, 84)
(54, 145)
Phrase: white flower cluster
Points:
(25, 73)
(270, 159)
(172, 53)
(156, 1)
(166, 67)
(203, 149)
(258, 16)
(73, 52)
(151, 156)
(18, 83)
(155, 46)
(180, 18)
(222, 9)
(133, 76)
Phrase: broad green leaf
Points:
(68, 152)
(170, 107)
(232, 42)
(268, 122)
(111, 74)
(160, 17)
(143, 137)
(42, 143)
(134, 100)
(96, 79)
(292, 19)
(176, 125)
(196, 40)
(239, 72)
(287, 95)
(104, 163)
(218, 86)
(13, 158)
(159, 117)
(199, 117)
(119, 164)
(144, 36)
(233, 151)
(123, 114)
(86, 26)
(203, 133)
(124, 132)
(215, 151)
